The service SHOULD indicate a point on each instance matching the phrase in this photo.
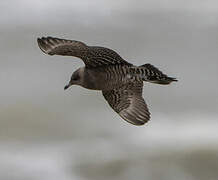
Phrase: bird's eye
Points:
(75, 78)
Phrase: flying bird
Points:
(121, 82)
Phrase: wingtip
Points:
(42, 45)
(135, 120)
(39, 40)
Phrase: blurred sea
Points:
(48, 133)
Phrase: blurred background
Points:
(48, 133)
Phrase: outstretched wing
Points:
(92, 56)
(128, 103)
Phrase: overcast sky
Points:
(20, 11)
(177, 36)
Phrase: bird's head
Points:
(76, 78)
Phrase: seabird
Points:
(121, 82)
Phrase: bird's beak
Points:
(67, 86)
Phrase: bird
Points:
(105, 70)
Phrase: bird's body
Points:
(121, 82)
(105, 78)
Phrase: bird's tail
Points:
(148, 72)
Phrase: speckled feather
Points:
(127, 101)
(92, 56)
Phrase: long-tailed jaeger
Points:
(121, 82)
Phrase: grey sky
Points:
(178, 36)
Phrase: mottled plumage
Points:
(121, 82)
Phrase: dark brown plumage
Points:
(121, 82)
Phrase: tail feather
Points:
(154, 75)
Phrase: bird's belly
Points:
(103, 81)
(107, 83)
